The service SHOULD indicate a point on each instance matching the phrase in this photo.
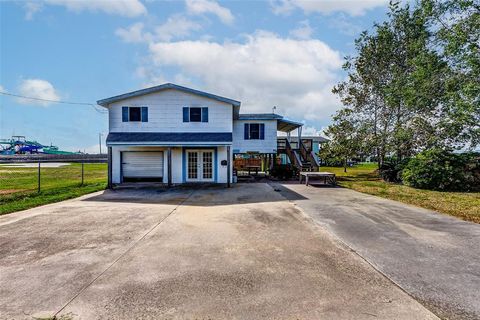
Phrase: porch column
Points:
(228, 166)
(169, 166)
(109, 165)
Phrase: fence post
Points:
(38, 176)
(82, 173)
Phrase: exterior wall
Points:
(269, 145)
(165, 113)
(222, 170)
(178, 162)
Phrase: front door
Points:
(199, 165)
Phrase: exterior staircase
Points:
(300, 154)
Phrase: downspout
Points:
(169, 166)
(109, 167)
(228, 166)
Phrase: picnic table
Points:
(328, 177)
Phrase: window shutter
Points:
(246, 133)
(124, 114)
(144, 114)
(204, 114)
(262, 131)
(186, 116)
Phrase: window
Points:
(196, 114)
(254, 131)
(134, 114)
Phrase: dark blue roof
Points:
(105, 102)
(130, 137)
(259, 116)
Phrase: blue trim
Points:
(246, 131)
(144, 115)
(259, 116)
(124, 114)
(204, 114)
(184, 137)
(105, 102)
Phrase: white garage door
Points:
(142, 165)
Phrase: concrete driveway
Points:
(434, 257)
(214, 253)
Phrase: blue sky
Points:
(285, 53)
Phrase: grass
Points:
(19, 186)
(363, 178)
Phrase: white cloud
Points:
(297, 75)
(210, 6)
(2, 89)
(132, 34)
(37, 88)
(304, 31)
(176, 26)
(307, 131)
(343, 24)
(126, 8)
(31, 8)
(352, 7)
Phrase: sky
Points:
(283, 53)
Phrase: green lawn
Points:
(363, 178)
(19, 186)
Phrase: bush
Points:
(283, 171)
(438, 169)
(391, 170)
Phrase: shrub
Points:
(283, 171)
(391, 170)
(438, 169)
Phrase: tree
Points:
(346, 135)
(457, 39)
(412, 85)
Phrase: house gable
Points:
(166, 113)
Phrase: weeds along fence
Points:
(22, 175)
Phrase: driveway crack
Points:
(132, 245)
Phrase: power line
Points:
(55, 101)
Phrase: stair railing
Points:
(293, 155)
(316, 160)
(309, 155)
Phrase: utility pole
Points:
(100, 141)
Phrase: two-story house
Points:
(175, 135)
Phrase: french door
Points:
(199, 165)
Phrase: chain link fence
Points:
(26, 176)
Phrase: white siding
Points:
(269, 145)
(165, 113)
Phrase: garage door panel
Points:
(142, 164)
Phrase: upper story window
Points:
(254, 131)
(134, 114)
(195, 114)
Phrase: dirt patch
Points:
(10, 191)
